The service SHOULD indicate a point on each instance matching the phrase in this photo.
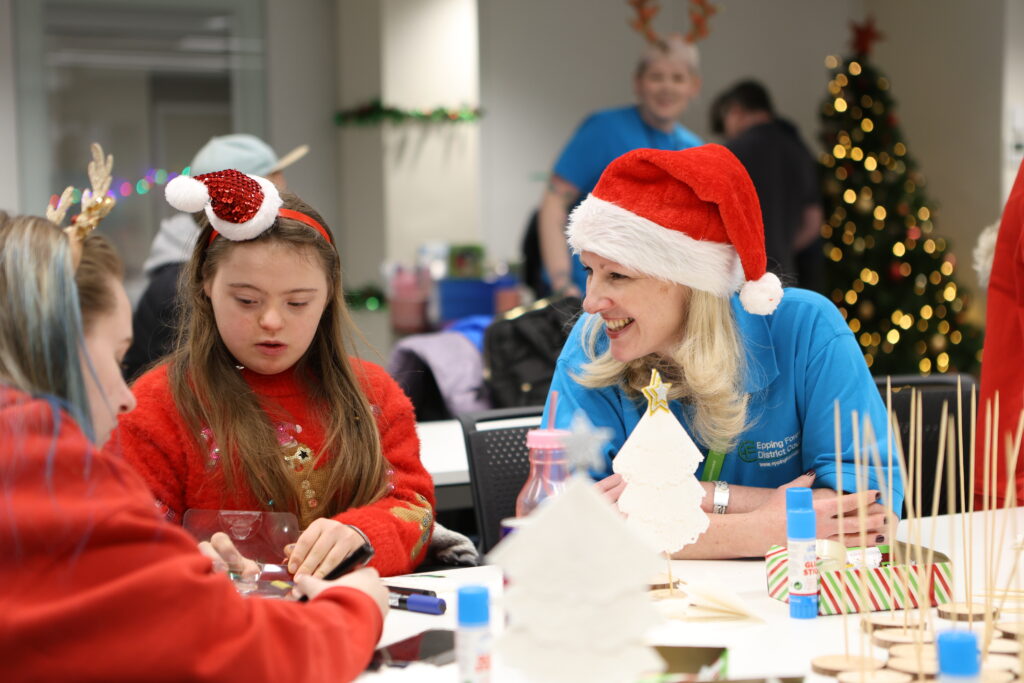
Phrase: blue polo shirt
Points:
(799, 361)
(603, 137)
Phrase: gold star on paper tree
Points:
(657, 394)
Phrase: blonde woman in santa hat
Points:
(674, 249)
(260, 406)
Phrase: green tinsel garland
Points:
(375, 113)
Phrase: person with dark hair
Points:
(784, 174)
(261, 405)
(155, 321)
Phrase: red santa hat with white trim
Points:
(690, 217)
(239, 206)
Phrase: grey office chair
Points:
(934, 390)
(499, 464)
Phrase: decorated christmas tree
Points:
(889, 272)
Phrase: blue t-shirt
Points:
(603, 137)
(799, 361)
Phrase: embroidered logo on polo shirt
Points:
(769, 452)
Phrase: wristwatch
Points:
(721, 499)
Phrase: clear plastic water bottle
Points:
(549, 469)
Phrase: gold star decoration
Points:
(657, 394)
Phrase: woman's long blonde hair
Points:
(210, 392)
(706, 370)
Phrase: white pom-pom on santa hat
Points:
(186, 194)
(761, 296)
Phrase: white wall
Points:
(545, 65)
(431, 170)
(945, 60)
(9, 187)
(301, 96)
(1013, 94)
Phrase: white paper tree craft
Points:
(662, 497)
(572, 571)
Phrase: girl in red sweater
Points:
(96, 585)
(260, 407)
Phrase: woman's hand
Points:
(611, 487)
(227, 558)
(366, 580)
(830, 510)
(321, 547)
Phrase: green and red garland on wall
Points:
(376, 112)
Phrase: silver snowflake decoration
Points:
(584, 443)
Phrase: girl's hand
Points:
(611, 487)
(366, 580)
(227, 558)
(321, 547)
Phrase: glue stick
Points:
(803, 567)
(958, 657)
(473, 639)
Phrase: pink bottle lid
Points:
(546, 438)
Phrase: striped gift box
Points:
(883, 588)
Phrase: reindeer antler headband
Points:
(96, 203)
(700, 12)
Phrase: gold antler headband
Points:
(96, 204)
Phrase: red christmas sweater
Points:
(183, 475)
(1002, 369)
(96, 586)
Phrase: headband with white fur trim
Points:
(239, 206)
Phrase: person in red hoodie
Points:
(260, 407)
(1002, 372)
(97, 585)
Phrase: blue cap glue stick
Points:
(803, 567)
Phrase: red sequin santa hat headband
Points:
(240, 206)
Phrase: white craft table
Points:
(774, 646)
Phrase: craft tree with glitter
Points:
(891, 274)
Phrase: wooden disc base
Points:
(995, 675)
(887, 637)
(927, 650)
(879, 620)
(928, 668)
(1011, 629)
(832, 665)
(999, 662)
(961, 611)
(879, 676)
(1004, 646)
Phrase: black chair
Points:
(499, 464)
(934, 390)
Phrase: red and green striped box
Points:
(883, 588)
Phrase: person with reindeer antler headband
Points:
(666, 80)
(260, 406)
(673, 244)
(92, 569)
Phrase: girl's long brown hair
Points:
(210, 392)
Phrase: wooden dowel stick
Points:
(838, 432)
